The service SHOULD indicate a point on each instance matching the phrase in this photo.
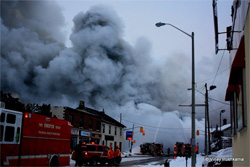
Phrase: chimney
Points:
(224, 121)
(81, 105)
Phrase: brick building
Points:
(91, 126)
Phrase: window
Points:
(115, 130)
(103, 128)
(98, 126)
(120, 146)
(120, 131)
(2, 117)
(106, 149)
(109, 129)
(71, 118)
(238, 104)
(81, 122)
(91, 148)
(11, 118)
(9, 133)
(18, 135)
(1, 132)
(100, 148)
(90, 124)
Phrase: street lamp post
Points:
(193, 153)
(222, 111)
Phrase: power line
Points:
(151, 126)
(219, 66)
(213, 99)
(214, 75)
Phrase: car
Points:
(94, 153)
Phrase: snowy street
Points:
(178, 162)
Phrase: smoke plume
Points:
(100, 67)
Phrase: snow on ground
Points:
(181, 161)
(178, 162)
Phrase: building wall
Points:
(110, 138)
(241, 140)
(81, 132)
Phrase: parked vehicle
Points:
(186, 150)
(29, 139)
(93, 154)
(158, 149)
(178, 149)
(151, 148)
(183, 150)
(146, 148)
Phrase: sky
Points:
(166, 44)
(111, 55)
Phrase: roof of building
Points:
(104, 117)
(223, 128)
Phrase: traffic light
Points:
(143, 133)
(141, 129)
(197, 132)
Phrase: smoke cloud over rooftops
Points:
(100, 67)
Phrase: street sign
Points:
(129, 135)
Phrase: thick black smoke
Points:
(100, 67)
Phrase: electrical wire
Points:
(219, 66)
(213, 99)
(152, 126)
(203, 81)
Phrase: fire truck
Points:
(29, 139)
(151, 148)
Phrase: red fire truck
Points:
(28, 139)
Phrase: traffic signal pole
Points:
(131, 146)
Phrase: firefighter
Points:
(117, 156)
(78, 151)
(110, 156)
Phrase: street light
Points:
(222, 111)
(207, 124)
(193, 161)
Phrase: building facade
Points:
(238, 90)
(112, 133)
(85, 127)
(91, 126)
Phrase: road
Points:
(144, 160)
(133, 161)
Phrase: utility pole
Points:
(131, 146)
(193, 160)
(207, 124)
(206, 116)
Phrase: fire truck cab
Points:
(29, 139)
